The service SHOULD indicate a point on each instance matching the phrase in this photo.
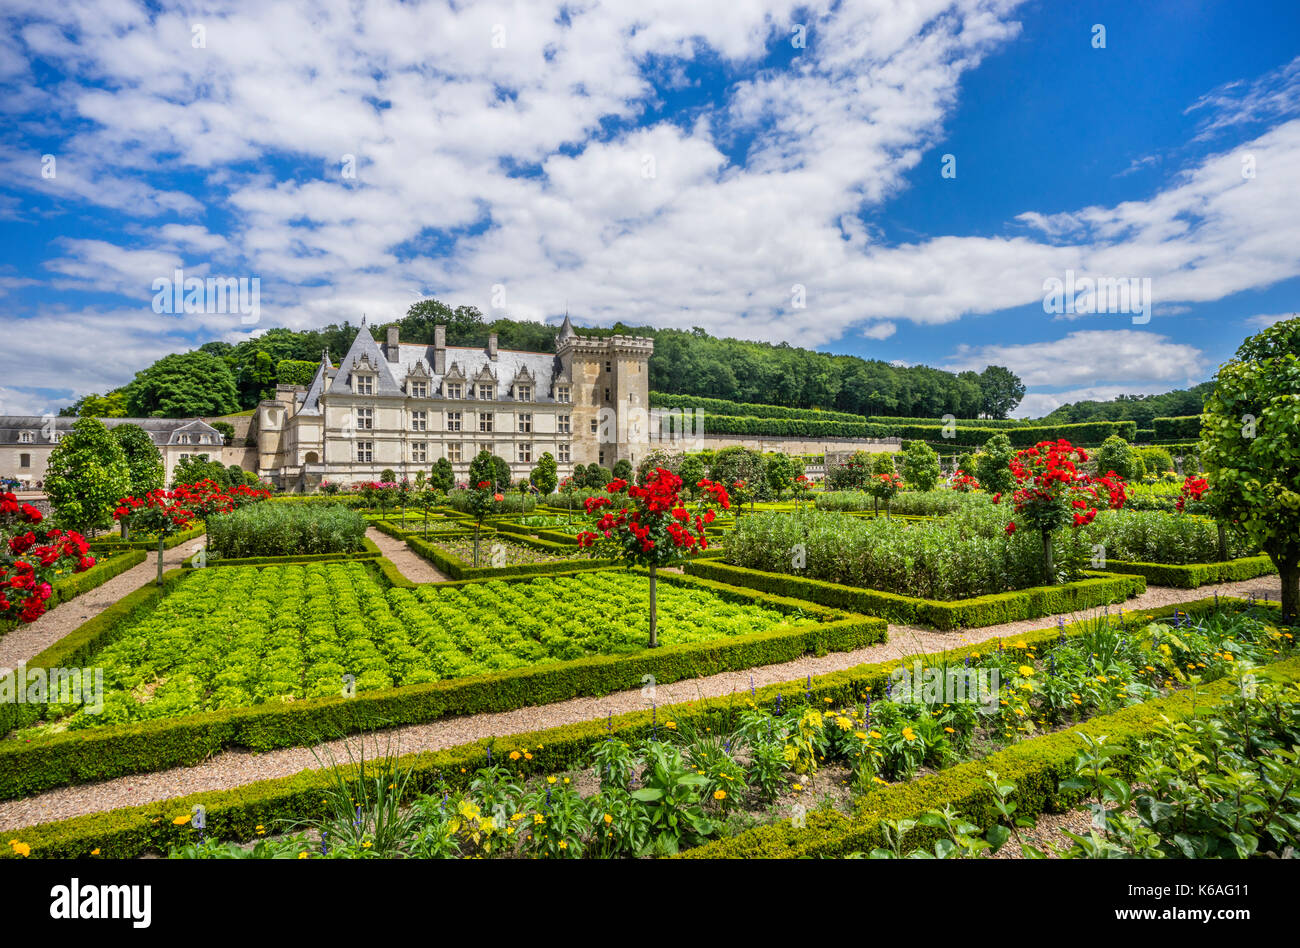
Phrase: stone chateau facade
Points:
(402, 406)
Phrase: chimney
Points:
(492, 346)
(439, 350)
(390, 350)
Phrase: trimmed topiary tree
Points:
(1250, 438)
(1116, 454)
(921, 466)
(143, 459)
(86, 475)
(993, 465)
(545, 476)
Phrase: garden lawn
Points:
(241, 636)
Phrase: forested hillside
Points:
(220, 378)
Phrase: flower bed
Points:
(1098, 589)
(108, 751)
(238, 814)
(454, 555)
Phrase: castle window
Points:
(363, 384)
(453, 421)
(564, 453)
(26, 437)
(485, 421)
(365, 419)
(562, 424)
(609, 366)
(524, 393)
(419, 421)
(419, 452)
(562, 393)
(525, 454)
(595, 426)
(525, 423)
(606, 394)
(453, 452)
(419, 389)
(485, 392)
(452, 389)
(365, 452)
(24, 460)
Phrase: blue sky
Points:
(673, 163)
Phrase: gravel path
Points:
(410, 564)
(234, 768)
(28, 640)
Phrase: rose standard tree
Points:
(32, 558)
(1052, 493)
(161, 512)
(483, 500)
(1250, 437)
(652, 526)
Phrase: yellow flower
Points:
(550, 780)
(95, 851)
(366, 844)
(304, 855)
(527, 756)
(798, 786)
(876, 735)
(1025, 671)
(564, 844)
(950, 730)
(608, 819)
(909, 734)
(671, 725)
(181, 820)
(719, 794)
(514, 755)
(538, 819)
(566, 779)
(860, 735)
(21, 849)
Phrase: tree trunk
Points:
(160, 556)
(477, 525)
(654, 609)
(1049, 569)
(1223, 542)
(1290, 573)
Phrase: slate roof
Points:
(163, 431)
(390, 377)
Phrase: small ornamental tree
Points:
(483, 500)
(442, 478)
(742, 494)
(32, 558)
(993, 465)
(163, 512)
(567, 487)
(544, 475)
(651, 526)
(801, 486)
(780, 472)
(1051, 493)
(883, 488)
(963, 483)
(143, 459)
(1197, 498)
(86, 473)
(1250, 447)
(921, 466)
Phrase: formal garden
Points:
(705, 656)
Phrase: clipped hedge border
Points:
(236, 813)
(1035, 602)
(368, 551)
(1193, 575)
(176, 539)
(1037, 766)
(114, 751)
(451, 565)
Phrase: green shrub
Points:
(284, 530)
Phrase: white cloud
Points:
(1263, 322)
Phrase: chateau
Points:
(402, 406)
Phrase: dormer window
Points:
(26, 437)
(562, 393)
(486, 392)
(363, 384)
(419, 389)
(452, 390)
(524, 393)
